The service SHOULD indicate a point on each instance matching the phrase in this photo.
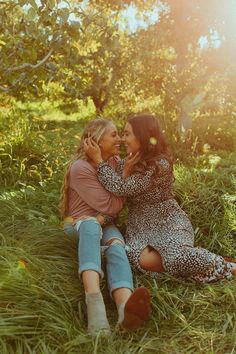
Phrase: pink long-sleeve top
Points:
(87, 196)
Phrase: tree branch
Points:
(4, 89)
(9, 88)
(31, 66)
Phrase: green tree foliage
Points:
(78, 46)
(172, 73)
(32, 36)
(85, 49)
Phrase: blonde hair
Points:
(95, 130)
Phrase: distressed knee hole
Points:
(115, 241)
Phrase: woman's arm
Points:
(136, 183)
(132, 185)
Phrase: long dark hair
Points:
(153, 144)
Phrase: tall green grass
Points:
(42, 308)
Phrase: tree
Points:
(187, 22)
(82, 47)
(77, 46)
(32, 35)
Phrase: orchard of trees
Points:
(181, 67)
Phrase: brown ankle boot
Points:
(136, 310)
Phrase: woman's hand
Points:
(130, 161)
(100, 218)
(93, 151)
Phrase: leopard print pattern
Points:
(155, 219)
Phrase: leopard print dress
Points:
(155, 219)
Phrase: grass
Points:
(42, 307)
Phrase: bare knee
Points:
(151, 260)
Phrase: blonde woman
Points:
(88, 209)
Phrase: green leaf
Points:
(23, 2)
(64, 13)
(51, 4)
(33, 4)
(31, 14)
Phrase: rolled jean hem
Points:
(121, 284)
(91, 266)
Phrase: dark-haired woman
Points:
(159, 234)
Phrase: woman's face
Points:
(110, 142)
(131, 143)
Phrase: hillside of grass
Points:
(42, 308)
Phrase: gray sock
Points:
(97, 319)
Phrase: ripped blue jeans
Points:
(91, 236)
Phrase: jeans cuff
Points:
(91, 266)
(121, 284)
